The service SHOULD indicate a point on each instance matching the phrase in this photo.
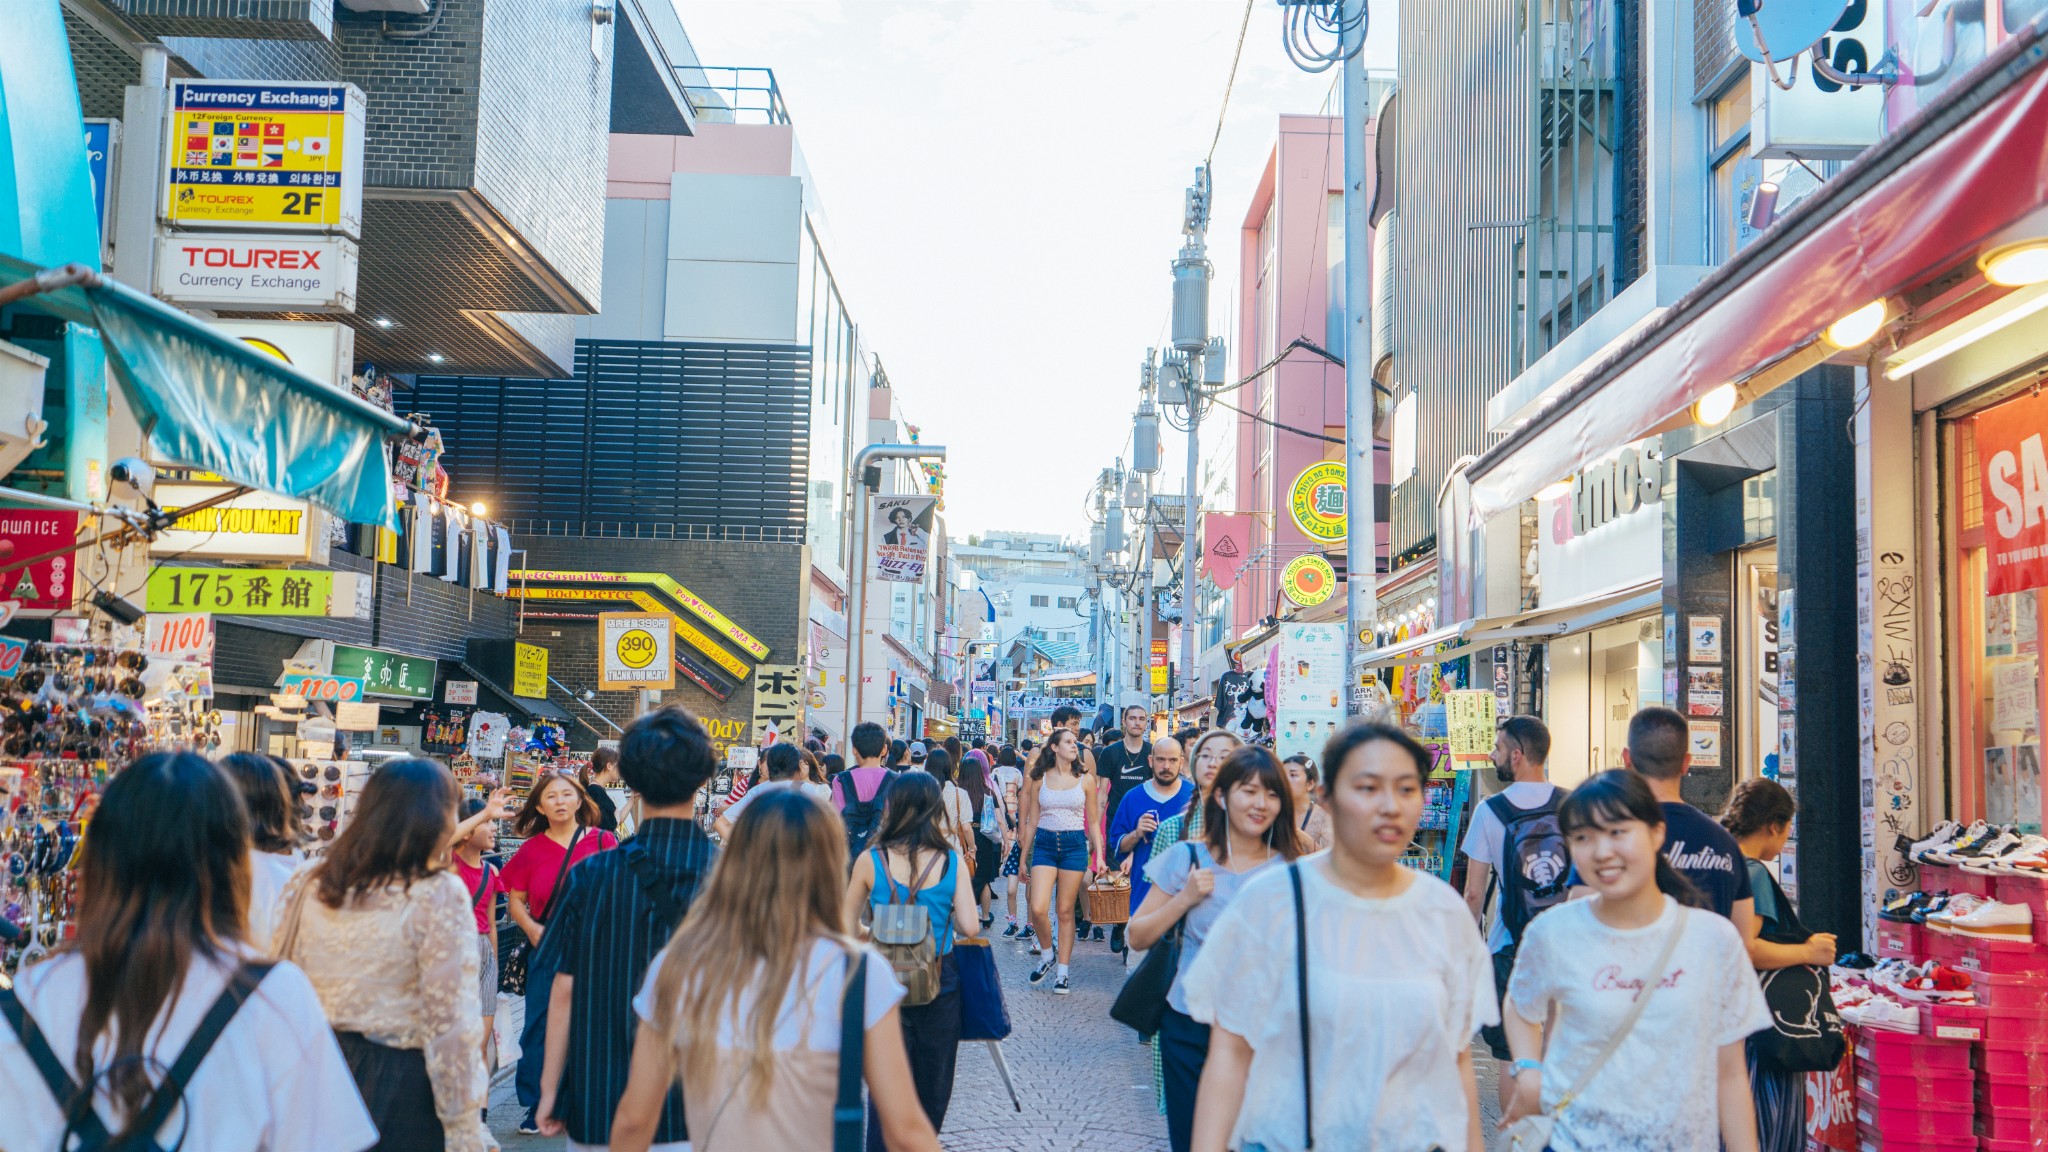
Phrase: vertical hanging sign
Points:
(901, 529)
(265, 154)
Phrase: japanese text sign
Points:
(461, 692)
(46, 584)
(1317, 502)
(778, 701)
(2014, 462)
(635, 650)
(1470, 717)
(240, 591)
(530, 671)
(265, 154)
(386, 673)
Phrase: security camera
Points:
(137, 475)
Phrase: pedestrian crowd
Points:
(799, 968)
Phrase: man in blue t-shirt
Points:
(1658, 749)
(1163, 795)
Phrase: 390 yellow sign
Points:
(636, 650)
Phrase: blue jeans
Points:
(1066, 851)
(533, 1036)
(1183, 1050)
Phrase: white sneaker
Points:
(1984, 862)
(1959, 905)
(1943, 835)
(2029, 846)
(1995, 921)
(1944, 853)
(1883, 1012)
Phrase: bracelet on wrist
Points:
(1524, 1065)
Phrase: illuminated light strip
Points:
(684, 628)
(698, 606)
(1968, 331)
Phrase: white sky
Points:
(1003, 181)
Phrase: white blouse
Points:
(275, 1079)
(1397, 987)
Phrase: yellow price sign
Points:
(636, 650)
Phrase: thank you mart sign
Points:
(635, 650)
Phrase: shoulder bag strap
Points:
(241, 985)
(1635, 1013)
(78, 1112)
(847, 1113)
(476, 898)
(663, 898)
(1308, 1091)
(555, 893)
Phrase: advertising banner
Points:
(240, 591)
(530, 671)
(314, 274)
(1226, 544)
(265, 154)
(1317, 502)
(44, 586)
(1161, 677)
(459, 692)
(386, 673)
(2014, 466)
(331, 689)
(901, 529)
(778, 703)
(252, 526)
(1308, 702)
(635, 650)
(1308, 580)
(1469, 715)
(179, 637)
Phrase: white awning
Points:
(1537, 624)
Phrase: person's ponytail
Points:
(1676, 885)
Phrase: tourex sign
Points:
(315, 273)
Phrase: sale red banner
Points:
(2013, 461)
(1831, 1107)
(46, 584)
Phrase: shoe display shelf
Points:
(1913, 1092)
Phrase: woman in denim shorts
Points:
(1062, 844)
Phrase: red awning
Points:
(1910, 208)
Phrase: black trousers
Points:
(931, 1034)
(397, 1093)
(1183, 1050)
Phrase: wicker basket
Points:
(1109, 900)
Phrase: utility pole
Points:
(1360, 533)
(1145, 465)
(1191, 272)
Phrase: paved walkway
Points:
(1085, 1082)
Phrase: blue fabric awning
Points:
(204, 398)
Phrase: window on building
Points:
(1070, 601)
(1041, 601)
(1728, 160)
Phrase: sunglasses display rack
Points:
(42, 814)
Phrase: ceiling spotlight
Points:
(480, 508)
(383, 322)
(1856, 329)
(2016, 265)
(1763, 205)
(1555, 490)
(1715, 406)
(434, 357)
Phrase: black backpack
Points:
(863, 817)
(1535, 864)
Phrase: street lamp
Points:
(856, 646)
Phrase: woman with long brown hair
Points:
(558, 822)
(268, 792)
(1247, 825)
(1062, 844)
(384, 930)
(163, 884)
(745, 1005)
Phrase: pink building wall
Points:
(641, 165)
(1275, 305)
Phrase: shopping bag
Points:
(983, 1016)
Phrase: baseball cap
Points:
(917, 750)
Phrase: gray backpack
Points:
(902, 932)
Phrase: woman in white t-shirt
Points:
(268, 792)
(1398, 981)
(164, 886)
(744, 1005)
(1676, 1081)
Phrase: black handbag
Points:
(1806, 1031)
(1141, 1003)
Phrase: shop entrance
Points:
(1753, 685)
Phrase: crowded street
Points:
(1037, 575)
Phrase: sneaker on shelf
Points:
(1961, 904)
(2030, 847)
(1930, 904)
(1983, 861)
(1943, 835)
(1856, 960)
(1039, 973)
(1994, 921)
(1939, 984)
(1061, 987)
(1888, 1014)
(1899, 908)
(1971, 837)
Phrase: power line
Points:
(1235, 56)
(1256, 418)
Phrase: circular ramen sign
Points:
(1308, 580)
(1317, 502)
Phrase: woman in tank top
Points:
(1061, 825)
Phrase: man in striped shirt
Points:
(612, 918)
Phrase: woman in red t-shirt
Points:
(559, 821)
